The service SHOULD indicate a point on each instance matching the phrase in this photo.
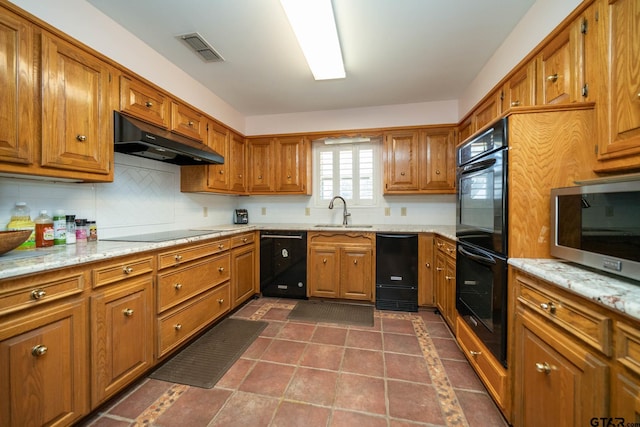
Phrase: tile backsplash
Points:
(145, 197)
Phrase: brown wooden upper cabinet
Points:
(279, 165)
(560, 67)
(187, 121)
(144, 101)
(519, 90)
(619, 143)
(419, 161)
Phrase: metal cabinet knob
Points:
(437, 171)
(81, 138)
(37, 294)
(178, 257)
(439, 268)
(177, 286)
(449, 277)
(127, 270)
(221, 301)
(39, 350)
(190, 123)
(402, 174)
(324, 260)
(177, 327)
(220, 246)
(355, 261)
(552, 78)
(550, 307)
(543, 368)
(128, 312)
(244, 240)
(515, 104)
(475, 353)
(427, 264)
(220, 269)
(148, 104)
(221, 172)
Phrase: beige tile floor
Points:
(406, 370)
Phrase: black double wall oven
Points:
(481, 231)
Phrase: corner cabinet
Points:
(420, 161)
(341, 265)
(279, 165)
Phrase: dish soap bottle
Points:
(44, 230)
(21, 220)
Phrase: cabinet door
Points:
(261, 165)
(426, 291)
(43, 368)
(19, 93)
(626, 397)
(489, 110)
(450, 291)
(624, 87)
(401, 161)
(355, 273)
(238, 163)
(560, 67)
(144, 102)
(519, 90)
(77, 131)
(440, 283)
(188, 122)
(291, 160)
(122, 336)
(557, 381)
(438, 166)
(218, 140)
(243, 274)
(323, 276)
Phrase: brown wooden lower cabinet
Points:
(426, 291)
(445, 280)
(244, 268)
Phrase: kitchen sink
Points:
(343, 226)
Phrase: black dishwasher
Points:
(283, 264)
(397, 272)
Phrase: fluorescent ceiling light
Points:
(315, 27)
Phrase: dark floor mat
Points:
(333, 312)
(205, 361)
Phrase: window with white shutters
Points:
(346, 170)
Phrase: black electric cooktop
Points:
(161, 236)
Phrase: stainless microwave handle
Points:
(477, 257)
(474, 167)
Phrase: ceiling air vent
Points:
(200, 46)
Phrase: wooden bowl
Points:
(10, 240)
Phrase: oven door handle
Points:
(476, 257)
(475, 167)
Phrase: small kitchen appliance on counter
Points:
(241, 216)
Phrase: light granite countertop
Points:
(18, 263)
(614, 292)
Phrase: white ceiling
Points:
(395, 51)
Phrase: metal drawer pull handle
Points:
(548, 307)
(475, 353)
(178, 257)
(128, 312)
(221, 301)
(552, 78)
(148, 104)
(220, 269)
(38, 294)
(543, 368)
(178, 286)
(127, 270)
(39, 350)
(177, 327)
(81, 138)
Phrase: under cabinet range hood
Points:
(137, 138)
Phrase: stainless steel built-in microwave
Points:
(598, 225)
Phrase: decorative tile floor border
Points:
(451, 409)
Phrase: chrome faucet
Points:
(345, 214)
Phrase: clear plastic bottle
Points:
(81, 230)
(71, 229)
(59, 227)
(21, 220)
(44, 230)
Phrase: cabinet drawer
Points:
(21, 293)
(180, 256)
(124, 269)
(178, 286)
(181, 324)
(242, 239)
(493, 375)
(446, 246)
(628, 346)
(588, 325)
